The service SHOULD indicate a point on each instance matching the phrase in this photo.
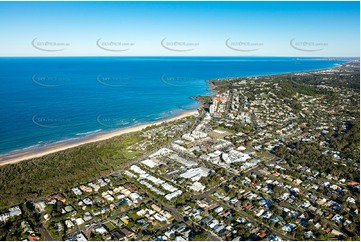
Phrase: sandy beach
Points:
(52, 148)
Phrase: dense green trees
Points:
(31, 179)
(201, 236)
(38, 177)
(312, 155)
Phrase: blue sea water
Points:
(47, 100)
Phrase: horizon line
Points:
(77, 56)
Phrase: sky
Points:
(324, 29)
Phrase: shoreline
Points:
(38, 152)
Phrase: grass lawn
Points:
(221, 134)
(110, 226)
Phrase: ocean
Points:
(47, 100)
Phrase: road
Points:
(252, 219)
(177, 216)
(44, 232)
(41, 227)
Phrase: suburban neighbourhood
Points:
(265, 158)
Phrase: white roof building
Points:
(172, 195)
(159, 217)
(137, 170)
(169, 187)
(195, 174)
(197, 186)
(161, 152)
(77, 191)
(150, 163)
(69, 224)
(235, 156)
(187, 163)
(218, 209)
(100, 230)
(79, 221)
